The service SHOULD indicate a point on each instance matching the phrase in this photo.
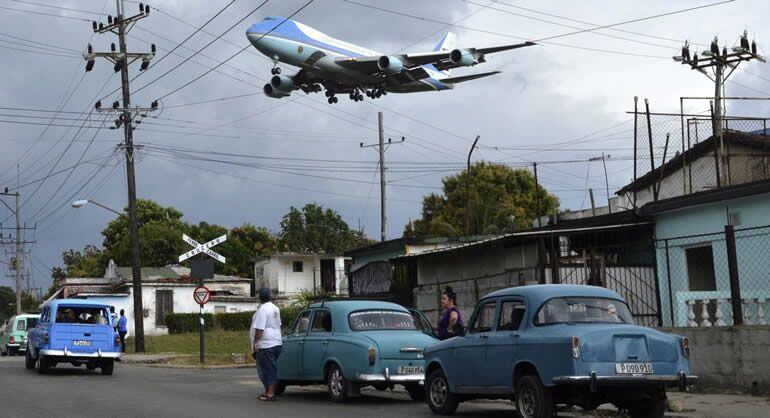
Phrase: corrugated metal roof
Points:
(526, 234)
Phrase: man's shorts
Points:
(267, 365)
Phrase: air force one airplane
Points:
(343, 68)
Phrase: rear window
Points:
(25, 324)
(583, 310)
(372, 320)
(81, 315)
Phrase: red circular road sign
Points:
(201, 294)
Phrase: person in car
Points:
(451, 322)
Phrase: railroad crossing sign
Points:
(203, 248)
(201, 294)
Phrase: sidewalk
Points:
(179, 361)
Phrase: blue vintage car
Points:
(74, 331)
(545, 345)
(347, 344)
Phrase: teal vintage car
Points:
(13, 335)
(349, 344)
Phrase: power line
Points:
(44, 14)
(179, 45)
(237, 53)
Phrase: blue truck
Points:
(74, 331)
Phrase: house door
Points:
(328, 277)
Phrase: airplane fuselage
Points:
(299, 45)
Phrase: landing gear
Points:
(275, 71)
(356, 96)
(333, 100)
(376, 93)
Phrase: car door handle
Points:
(324, 342)
(515, 335)
(483, 337)
(301, 343)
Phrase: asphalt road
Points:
(141, 391)
(144, 391)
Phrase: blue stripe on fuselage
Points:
(291, 32)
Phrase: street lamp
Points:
(80, 203)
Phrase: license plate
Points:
(411, 370)
(633, 368)
(81, 343)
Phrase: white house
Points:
(165, 290)
(288, 274)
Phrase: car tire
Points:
(108, 366)
(29, 362)
(13, 352)
(280, 388)
(533, 400)
(649, 408)
(440, 400)
(337, 384)
(416, 392)
(3, 353)
(43, 364)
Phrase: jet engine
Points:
(273, 92)
(282, 82)
(462, 57)
(390, 65)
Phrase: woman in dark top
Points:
(451, 322)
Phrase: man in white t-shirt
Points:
(266, 342)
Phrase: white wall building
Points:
(288, 274)
(165, 290)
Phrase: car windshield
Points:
(81, 315)
(583, 310)
(371, 320)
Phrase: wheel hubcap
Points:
(438, 392)
(527, 402)
(335, 382)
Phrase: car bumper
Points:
(76, 355)
(680, 379)
(386, 377)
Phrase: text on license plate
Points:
(410, 370)
(81, 343)
(633, 368)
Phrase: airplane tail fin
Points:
(447, 43)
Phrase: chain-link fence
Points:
(717, 279)
(678, 154)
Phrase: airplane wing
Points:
(442, 60)
(455, 80)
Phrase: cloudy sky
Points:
(546, 96)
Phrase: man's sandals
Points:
(265, 398)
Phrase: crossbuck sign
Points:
(203, 248)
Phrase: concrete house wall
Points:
(276, 272)
(753, 250)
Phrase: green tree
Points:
(500, 199)
(160, 243)
(314, 229)
(7, 303)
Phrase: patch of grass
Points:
(218, 343)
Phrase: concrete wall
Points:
(729, 357)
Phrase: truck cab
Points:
(74, 331)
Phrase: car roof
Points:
(537, 294)
(75, 302)
(356, 305)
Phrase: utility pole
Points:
(382, 147)
(606, 179)
(717, 61)
(17, 264)
(120, 26)
(468, 189)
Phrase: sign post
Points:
(202, 269)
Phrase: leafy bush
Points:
(181, 323)
(238, 321)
